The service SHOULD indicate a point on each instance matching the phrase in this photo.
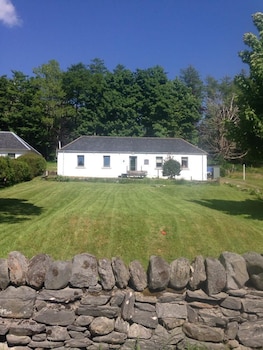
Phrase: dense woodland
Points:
(223, 117)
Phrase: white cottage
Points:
(112, 157)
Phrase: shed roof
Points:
(9, 141)
(109, 144)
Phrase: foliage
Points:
(19, 109)
(6, 171)
(55, 106)
(36, 163)
(191, 78)
(250, 131)
(51, 99)
(171, 168)
(21, 171)
(24, 168)
(221, 118)
(13, 172)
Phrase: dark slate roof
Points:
(11, 142)
(108, 144)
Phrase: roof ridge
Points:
(97, 143)
(131, 137)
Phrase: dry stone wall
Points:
(90, 303)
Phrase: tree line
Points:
(223, 117)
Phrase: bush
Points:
(171, 168)
(6, 171)
(21, 171)
(37, 164)
(12, 171)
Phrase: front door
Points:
(133, 163)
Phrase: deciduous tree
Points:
(220, 121)
(51, 99)
(250, 101)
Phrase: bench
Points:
(136, 173)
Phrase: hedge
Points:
(22, 169)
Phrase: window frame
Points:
(159, 162)
(80, 161)
(11, 155)
(106, 164)
(184, 162)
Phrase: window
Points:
(106, 161)
(159, 162)
(184, 162)
(11, 155)
(146, 161)
(80, 160)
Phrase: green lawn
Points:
(126, 220)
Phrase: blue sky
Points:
(207, 34)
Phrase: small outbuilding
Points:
(213, 172)
(113, 157)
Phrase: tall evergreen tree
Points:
(191, 78)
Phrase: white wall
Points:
(119, 164)
(5, 154)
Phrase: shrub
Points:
(21, 171)
(171, 168)
(12, 171)
(36, 163)
(6, 171)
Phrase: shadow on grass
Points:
(14, 210)
(250, 209)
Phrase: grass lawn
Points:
(129, 219)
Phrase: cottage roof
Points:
(9, 141)
(108, 144)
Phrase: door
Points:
(133, 163)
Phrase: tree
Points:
(184, 112)
(191, 78)
(151, 99)
(51, 99)
(121, 96)
(76, 82)
(85, 87)
(250, 131)
(216, 130)
(54, 105)
(166, 108)
(19, 111)
(171, 168)
(221, 118)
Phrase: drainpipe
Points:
(202, 167)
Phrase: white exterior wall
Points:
(6, 153)
(120, 164)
